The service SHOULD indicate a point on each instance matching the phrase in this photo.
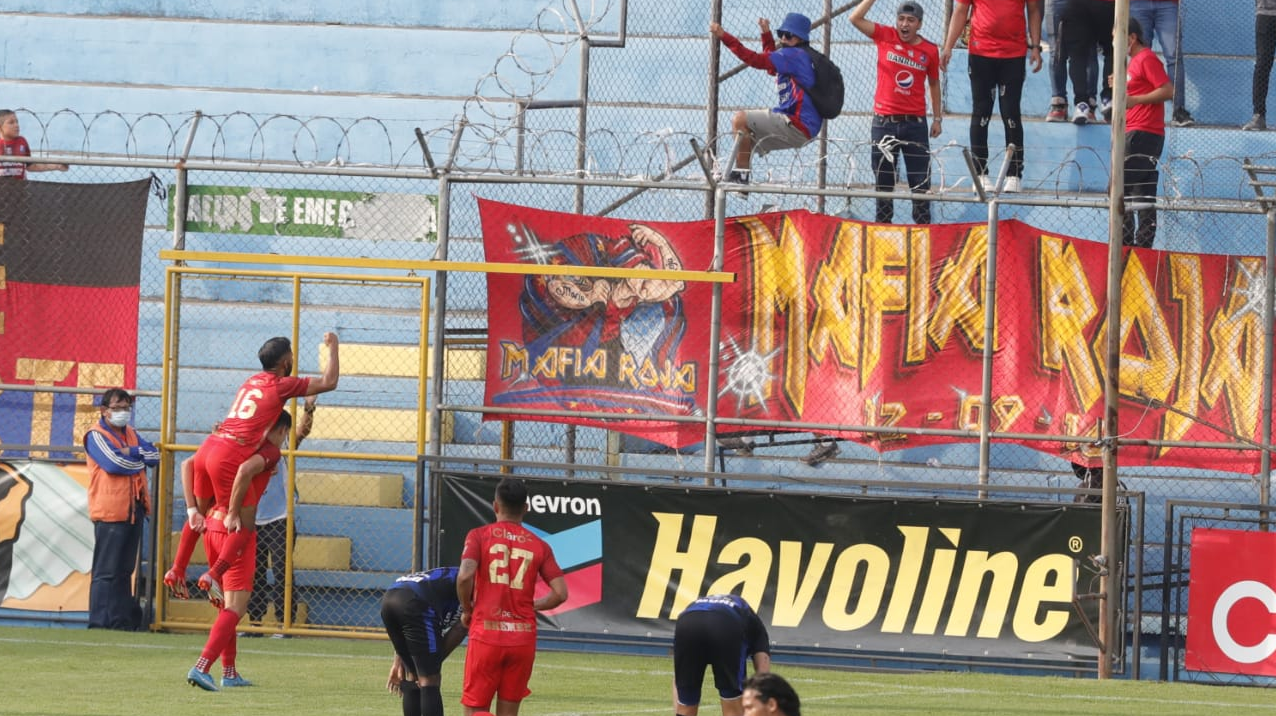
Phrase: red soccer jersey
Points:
(999, 28)
(509, 559)
(258, 403)
(902, 72)
(1144, 74)
(16, 147)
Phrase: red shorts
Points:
(216, 462)
(239, 578)
(496, 670)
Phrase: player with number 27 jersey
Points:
(510, 559)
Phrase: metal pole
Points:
(715, 333)
(822, 166)
(1109, 631)
(990, 321)
(711, 130)
(437, 363)
(1269, 305)
(180, 197)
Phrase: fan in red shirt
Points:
(496, 585)
(12, 144)
(1147, 90)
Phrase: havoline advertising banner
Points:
(990, 580)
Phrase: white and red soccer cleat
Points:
(176, 583)
(207, 583)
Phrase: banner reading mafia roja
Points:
(961, 579)
(833, 321)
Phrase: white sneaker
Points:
(1082, 114)
(988, 183)
(1012, 186)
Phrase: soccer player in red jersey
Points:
(496, 585)
(223, 524)
(257, 405)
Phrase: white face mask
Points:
(118, 418)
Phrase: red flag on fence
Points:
(70, 262)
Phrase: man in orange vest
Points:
(118, 502)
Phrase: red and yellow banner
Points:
(839, 321)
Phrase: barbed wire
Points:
(491, 134)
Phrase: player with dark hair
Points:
(257, 405)
(769, 694)
(225, 524)
(421, 614)
(907, 72)
(720, 631)
(496, 585)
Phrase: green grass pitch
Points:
(61, 672)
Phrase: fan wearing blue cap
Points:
(794, 121)
(905, 62)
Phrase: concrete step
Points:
(200, 611)
(309, 552)
(350, 488)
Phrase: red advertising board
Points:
(1231, 616)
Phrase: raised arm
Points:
(859, 18)
(307, 420)
(331, 372)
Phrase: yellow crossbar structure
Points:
(470, 266)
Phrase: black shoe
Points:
(735, 176)
(740, 446)
(821, 452)
(1182, 118)
(1257, 123)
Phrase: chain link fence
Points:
(357, 206)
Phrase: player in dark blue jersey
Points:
(422, 614)
(721, 631)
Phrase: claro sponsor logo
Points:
(1033, 598)
(562, 505)
(1223, 636)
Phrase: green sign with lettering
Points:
(309, 212)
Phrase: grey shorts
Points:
(772, 131)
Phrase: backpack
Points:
(829, 92)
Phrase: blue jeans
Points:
(911, 139)
(111, 601)
(1160, 20)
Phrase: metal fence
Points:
(356, 209)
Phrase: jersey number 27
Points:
(498, 571)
